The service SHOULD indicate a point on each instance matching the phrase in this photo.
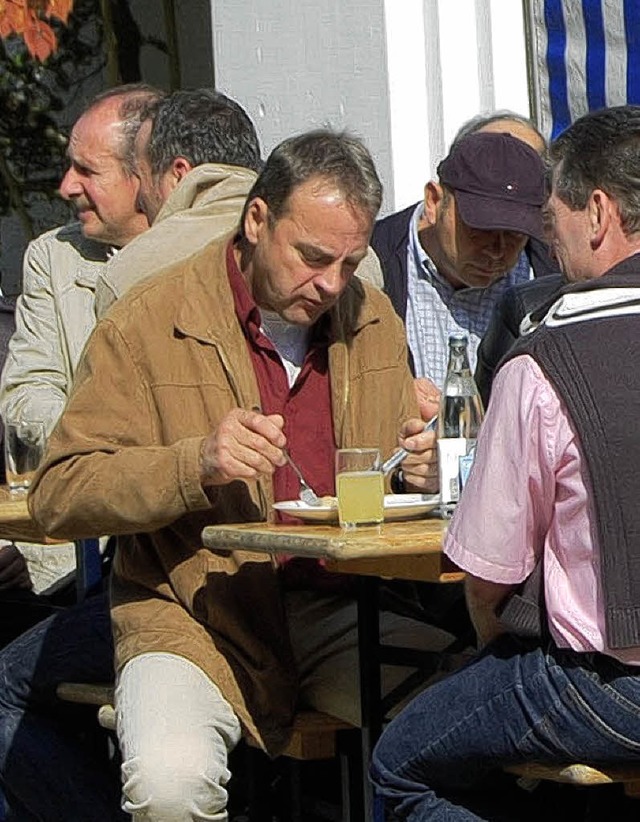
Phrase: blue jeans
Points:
(511, 704)
(49, 770)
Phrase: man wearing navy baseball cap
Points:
(448, 259)
(498, 186)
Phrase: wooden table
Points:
(395, 550)
(399, 550)
(16, 524)
(15, 520)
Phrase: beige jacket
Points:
(54, 318)
(125, 460)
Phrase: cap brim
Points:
(494, 214)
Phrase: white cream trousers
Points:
(175, 728)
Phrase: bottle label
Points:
(466, 462)
(450, 449)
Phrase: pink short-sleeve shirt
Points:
(529, 492)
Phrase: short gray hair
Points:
(600, 150)
(337, 157)
(481, 120)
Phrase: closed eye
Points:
(316, 259)
(79, 168)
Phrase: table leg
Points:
(88, 567)
(370, 685)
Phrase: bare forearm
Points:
(483, 600)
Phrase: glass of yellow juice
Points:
(359, 487)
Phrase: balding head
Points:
(99, 181)
(504, 122)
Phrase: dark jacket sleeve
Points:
(504, 327)
(540, 258)
(7, 327)
(389, 241)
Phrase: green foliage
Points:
(34, 97)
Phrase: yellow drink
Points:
(360, 498)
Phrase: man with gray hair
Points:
(55, 312)
(555, 486)
(444, 269)
(261, 341)
(197, 156)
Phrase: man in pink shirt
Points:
(554, 488)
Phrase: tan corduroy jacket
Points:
(160, 372)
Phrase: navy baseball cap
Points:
(498, 181)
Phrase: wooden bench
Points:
(91, 694)
(314, 737)
(314, 734)
(584, 775)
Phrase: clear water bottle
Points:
(459, 420)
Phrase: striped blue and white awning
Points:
(585, 55)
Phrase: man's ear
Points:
(255, 219)
(179, 169)
(433, 200)
(601, 216)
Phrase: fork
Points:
(306, 494)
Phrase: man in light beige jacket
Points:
(197, 155)
(55, 311)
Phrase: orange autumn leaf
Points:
(13, 17)
(40, 39)
(5, 28)
(27, 19)
(60, 9)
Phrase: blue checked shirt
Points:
(435, 309)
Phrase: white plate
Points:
(396, 507)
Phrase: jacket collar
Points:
(623, 275)
(91, 256)
(206, 184)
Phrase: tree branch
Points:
(15, 197)
(172, 44)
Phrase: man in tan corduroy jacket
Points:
(188, 392)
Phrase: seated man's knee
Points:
(175, 785)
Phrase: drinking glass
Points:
(359, 486)
(24, 442)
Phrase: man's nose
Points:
(331, 280)
(70, 186)
(497, 244)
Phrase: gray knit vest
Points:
(594, 365)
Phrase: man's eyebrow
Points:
(356, 259)
(321, 255)
(314, 251)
